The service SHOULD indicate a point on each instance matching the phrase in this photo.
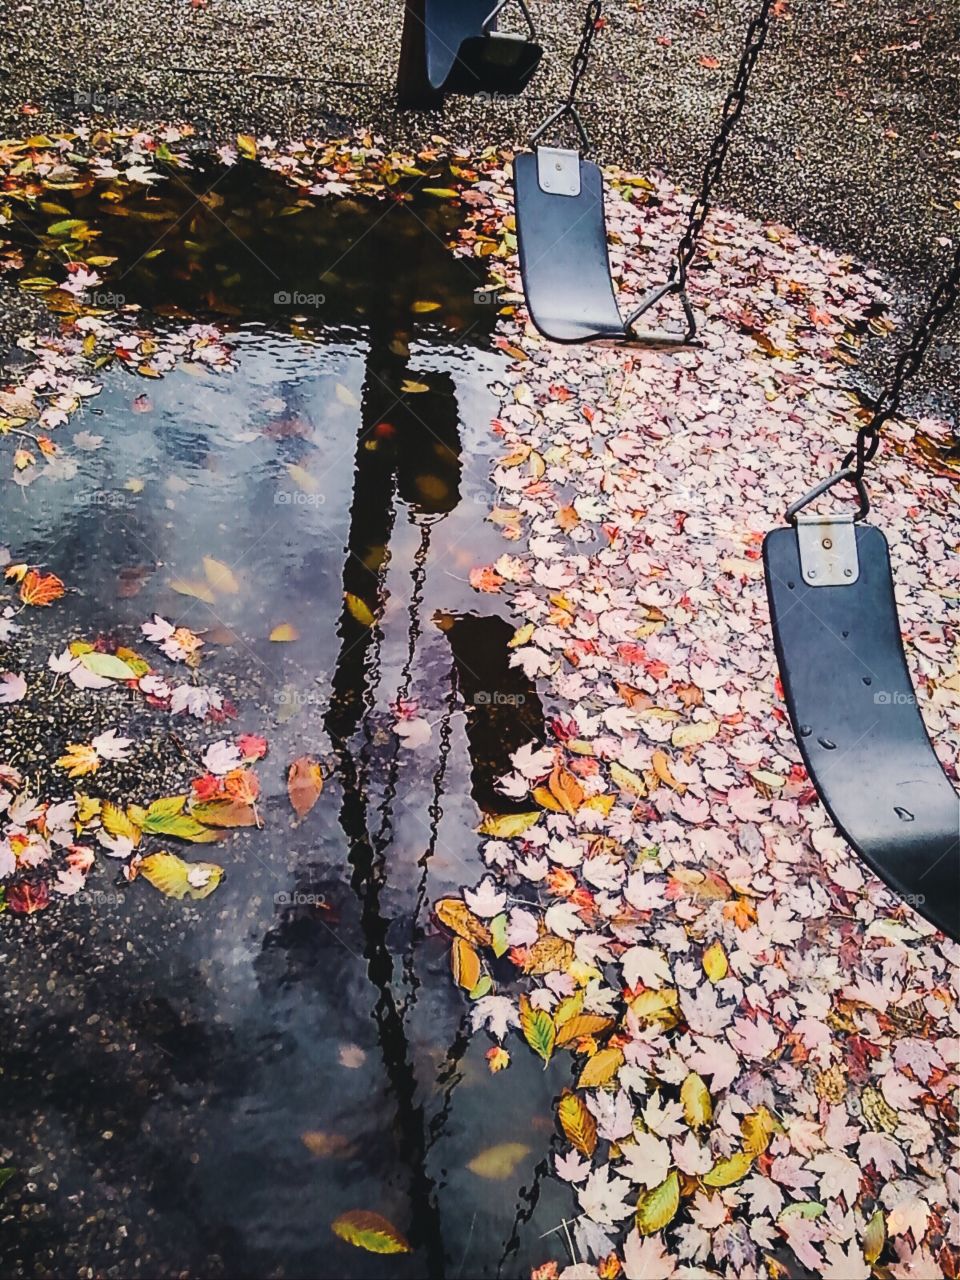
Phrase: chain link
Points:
(939, 307)
(581, 58)
(732, 110)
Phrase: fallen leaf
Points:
(656, 1208)
(284, 633)
(367, 1230)
(577, 1123)
(220, 576)
(304, 784)
(178, 879)
(499, 1162)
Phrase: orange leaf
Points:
(465, 964)
(242, 785)
(304, 784)
(566, 789)
(40, 588)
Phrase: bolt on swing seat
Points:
(564, 260)
(853, 707)
(456, 47)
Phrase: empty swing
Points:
(457, 46)
(561, 225)
(851, 701)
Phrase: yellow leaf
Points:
(421, 308)
(498, 1162)
(582, 1025)
(465, 964)
(656, 1208)
(178, 879)
(521, 636)
(117, 823)
(198, 590)
(627, 780)
(757, 1129)
(442, 193)
(411, 387)
(302, 478)
(692, 735)
(577, 1123)
(600, 1069)
(508, 825)
(874, 1237)
(284, 632)
(456, 915)
(367, 1230)
(79, 759)
(695, 1098)
(358, 609)
(715, 964)
(220, 576)
(730, 1170)
(247, 145)
(549, 954)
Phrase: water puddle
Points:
(203, 1089)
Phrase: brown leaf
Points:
(304, 784)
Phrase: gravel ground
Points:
(851, 133)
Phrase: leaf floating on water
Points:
(499, 1162)
(226, 813)
(420, 308)
(442, 193)
(166, 818)
(346, 396)
(465, 964)
(284, 633)
(40, 589)
(582, 1025)
(197, 590)
(302, 478)
(456, 915)
(413, 388)
(627, 780)
(358, 609)
(656, 1208)
(577, 1123)
(874, 1236)
(178, 879)
(247, 145)
(324, 1145)
(601, 1069)
(508, 825)
(538, 1029)
(220, 576)
(304, 784)
(367, 1230)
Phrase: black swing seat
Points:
(465, 53)
(854, 711)
(564, 262)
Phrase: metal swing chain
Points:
(943, 300)
(581, 59)
(732, 110)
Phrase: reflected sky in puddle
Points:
(309, 995)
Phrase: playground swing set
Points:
(852, 705)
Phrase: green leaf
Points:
(107, 665)
(538, 1029)
(656, 1208)
(726, 1172)
(874, 1237)
(172, 876)
(483, 987)
(65, 226)
(498, 932)
(6, 1175)
(179, 825)
(167, 807)
(498, 1162)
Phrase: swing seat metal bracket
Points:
(558, 171)
(663, 337)
(828, 550)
